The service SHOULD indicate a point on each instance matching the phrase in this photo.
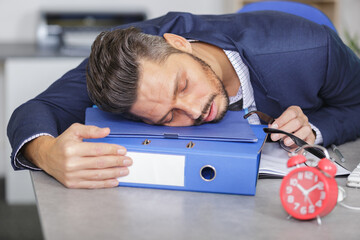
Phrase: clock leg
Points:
(318, 219)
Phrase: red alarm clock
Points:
(309, 192)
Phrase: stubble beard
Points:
(221, 92)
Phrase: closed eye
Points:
(171, 118)
(186, 84)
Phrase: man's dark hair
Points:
(114, 67)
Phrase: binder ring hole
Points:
(208, 173)
(146, 142)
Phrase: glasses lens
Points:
(290, 149)
(312, 161)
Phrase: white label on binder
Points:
(159, 169)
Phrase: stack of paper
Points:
(274, 160)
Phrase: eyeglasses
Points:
(298, 142)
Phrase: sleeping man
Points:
(183, 69)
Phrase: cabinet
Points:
(329, 7)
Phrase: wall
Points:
(18, 18)
(349, 14)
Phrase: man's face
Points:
(182, 91)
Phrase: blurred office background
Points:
(34, 53)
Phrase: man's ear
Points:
(178, 42)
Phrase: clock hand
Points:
(312, 188)
(303, 191)
(307, 197)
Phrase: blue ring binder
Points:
(168, 163)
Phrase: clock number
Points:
(290, 199)
(309, 175)
(303, 210)
(322, 195)
(297, 205)
(300, 175)
(293, 181)
(318, 203)
(311, 209)
(321, 186)
(288, 189)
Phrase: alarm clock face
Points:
(304, 193)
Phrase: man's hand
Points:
(78, 164)
(293, 120)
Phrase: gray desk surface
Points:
(135, 213)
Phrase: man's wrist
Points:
(36, 150)
(318, 136)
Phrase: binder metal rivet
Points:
(208, 173)
(146, 142)
(190, 145)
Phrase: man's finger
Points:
(91, 149)
(102, 162)
(109, 183)
(291, 113)
(101, 174)
(303, 133)
(293, 125)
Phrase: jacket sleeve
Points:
(50, 113)
(338, 117)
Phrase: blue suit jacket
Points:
(291, 60)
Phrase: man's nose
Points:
(191, 109)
